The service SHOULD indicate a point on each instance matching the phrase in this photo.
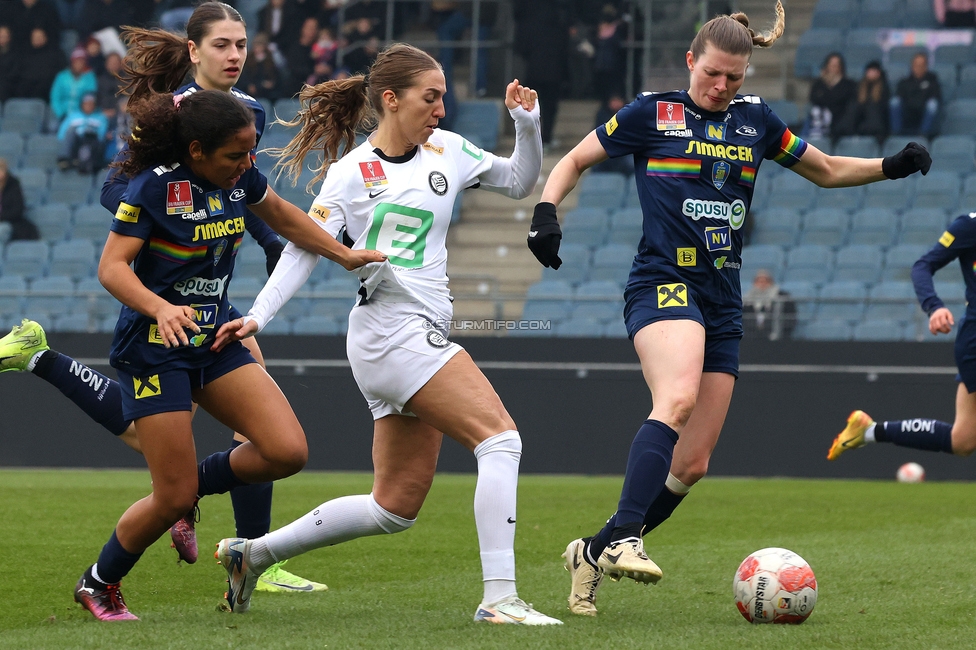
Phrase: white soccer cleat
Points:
(586, 579)
(513, 610)
(241, 580)
(626, 559)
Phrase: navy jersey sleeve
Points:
(780, 145)
(255, 186)
(626, 132)
(262, 232)
(958, 237)
(134, 216)
(114, 186)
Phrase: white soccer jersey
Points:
(402, 207)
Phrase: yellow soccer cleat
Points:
(852, 436)
(19, 346)
(278, 581)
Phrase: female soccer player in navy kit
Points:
(696, 154)
(959, 436)
(395, 192)
(169, 260)
(214, 50)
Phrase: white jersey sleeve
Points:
(517, 176)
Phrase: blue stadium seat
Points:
(903, 54)
(875, 226)
(879, 330)
(615, 329)
(892, 301)
(33, 182)
(967, 201)
(26, 258)
(762, 256)
(791, 191)
(858, 146)
(824, 330)
(967, 81)
(834, 13)
(53, 220)
(953, 54)
(91, 296)
(11, 147)
(74, 258)
(899, 260)
(786, 110)
(778, 226)
(321, 325)
(858, 56)
(334, 297)
(600, 300)
(626, 227)
(826, 226)
(576, 264)
(880, 13)
(23, 115)
(580, 328)
(242, 292)
(13, 287)
(42, 151)
(612, 262)
(843, 300)
(812, 263)
(919, 14)
(73, 322)
(959, 117)
(813, 47)
(861, 262)
(280, 324)
(844, 198)
(275, 136)
(285, 109)
(548, 300)
(893, 196)
(953, 153)
(586, 226)
(950, 290)
(251, 262)
(92, 222)
(937, 190)
(602, 190)
(922, 225)
(70, 187)
(52, 295)
(896, 143)
(544, 310)
(477, 121)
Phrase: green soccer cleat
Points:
(21, 344)
(278, 581)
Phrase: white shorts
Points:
(394, 348)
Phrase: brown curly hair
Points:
(163, 131)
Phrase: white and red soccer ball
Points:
(774, 585)
(911, 473)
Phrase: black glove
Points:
(544, 235)
(914, 157)
(272, 253)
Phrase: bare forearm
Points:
(120, 280)
(561, 181)
(841, 171)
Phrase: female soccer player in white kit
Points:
(395, 193)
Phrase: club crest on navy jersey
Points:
(720, 173)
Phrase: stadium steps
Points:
(770, 64)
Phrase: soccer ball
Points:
(775, 585)
(911, 473)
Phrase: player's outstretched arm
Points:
(296, 226)
(844, 171)
(117, 276)
(517, 176)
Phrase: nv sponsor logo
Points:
(87, 375)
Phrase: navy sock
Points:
(114, 562)
(252, 507)
(930, 435)
(215, 476)
(647, 470)
(661, 509)
(94, 393)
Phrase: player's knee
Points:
(289, 458)
(174, 503)
(389, 522)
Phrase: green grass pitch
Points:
(896, 565)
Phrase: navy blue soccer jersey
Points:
(957, 242)
(695, 172)
(191, 231)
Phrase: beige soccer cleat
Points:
(586, 579)
(852, 436)
(626, 559)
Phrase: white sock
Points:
(33, 362)
(869, 433)
(494, 511)
(333, 522)
(94, 572)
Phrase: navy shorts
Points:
(966, 353)
(647, 303)
(172, 390)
